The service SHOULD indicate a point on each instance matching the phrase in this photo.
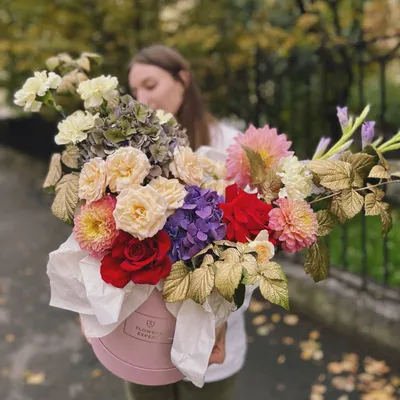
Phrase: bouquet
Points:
(151, 216)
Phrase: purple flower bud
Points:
(367, 132)
(322, 146)
(342, 115)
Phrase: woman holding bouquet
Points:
(161, 78)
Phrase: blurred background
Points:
(287, 63)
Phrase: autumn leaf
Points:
(54, 173)
(379, 172)
(66, 199)
(336, 208)
(352, 202)
(326, 222)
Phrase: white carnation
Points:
(94, 91)
(164, 117)
(73, 129)
(36, 86)
(297, 180)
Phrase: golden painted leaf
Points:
(380, 194)
(271, 186)
(373, 206)
(376, 153)
(257, 166)
(352, 202)
(326, 222)
(54, 173)
(197, 257)
(387, 222)
(70, 157)
(228, 277)
(35, 378)
(362, 164)
(379, 172)
(336, 208)
(250, 265)
(275, 292)
(176, 286)
(201, 283)
(317, 261)
(333, 174)
(225, 243)
(66, 199)
(272, 270)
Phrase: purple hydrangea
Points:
(196, 224)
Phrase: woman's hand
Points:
(218, 351)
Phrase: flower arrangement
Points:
(147, 210)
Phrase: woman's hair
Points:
(193, 114)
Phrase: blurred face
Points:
(156, 87)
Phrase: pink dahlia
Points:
(95, 229)
(295, 224)
(266, 141)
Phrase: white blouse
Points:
(222, 136)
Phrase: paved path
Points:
(44, 357)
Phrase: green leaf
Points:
(317, 261)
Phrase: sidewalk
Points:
(44, 357)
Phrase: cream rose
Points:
(92, 180)
(126, 167)
(140, 211)
(263, 247)
(94, 91)
(218, 185)
(36, 86)
(215, 169)
(171, 191)
(186, 166)
(74, 128)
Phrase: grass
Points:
(374, 247)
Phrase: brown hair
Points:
(193, 114)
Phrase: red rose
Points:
(140, 261)
(245, 215)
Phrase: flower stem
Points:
(357, 190)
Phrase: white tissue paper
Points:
(76, 285)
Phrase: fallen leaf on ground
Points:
(256, 306)
(321, 389)
(10, 338)
(318, 355)
(343, 397)
(314, 335)
(259, 320)
(96, 373)
(264, 330)
(290, 319)
(375, 367)
(280, 387)
(287, 340)
(309, 348)
(349, 363)
(32, 378)
(281, 359)
(345, 383)
(395, 381)
(316, 396)
(321, 378)
(377, 395)
(275, 318)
